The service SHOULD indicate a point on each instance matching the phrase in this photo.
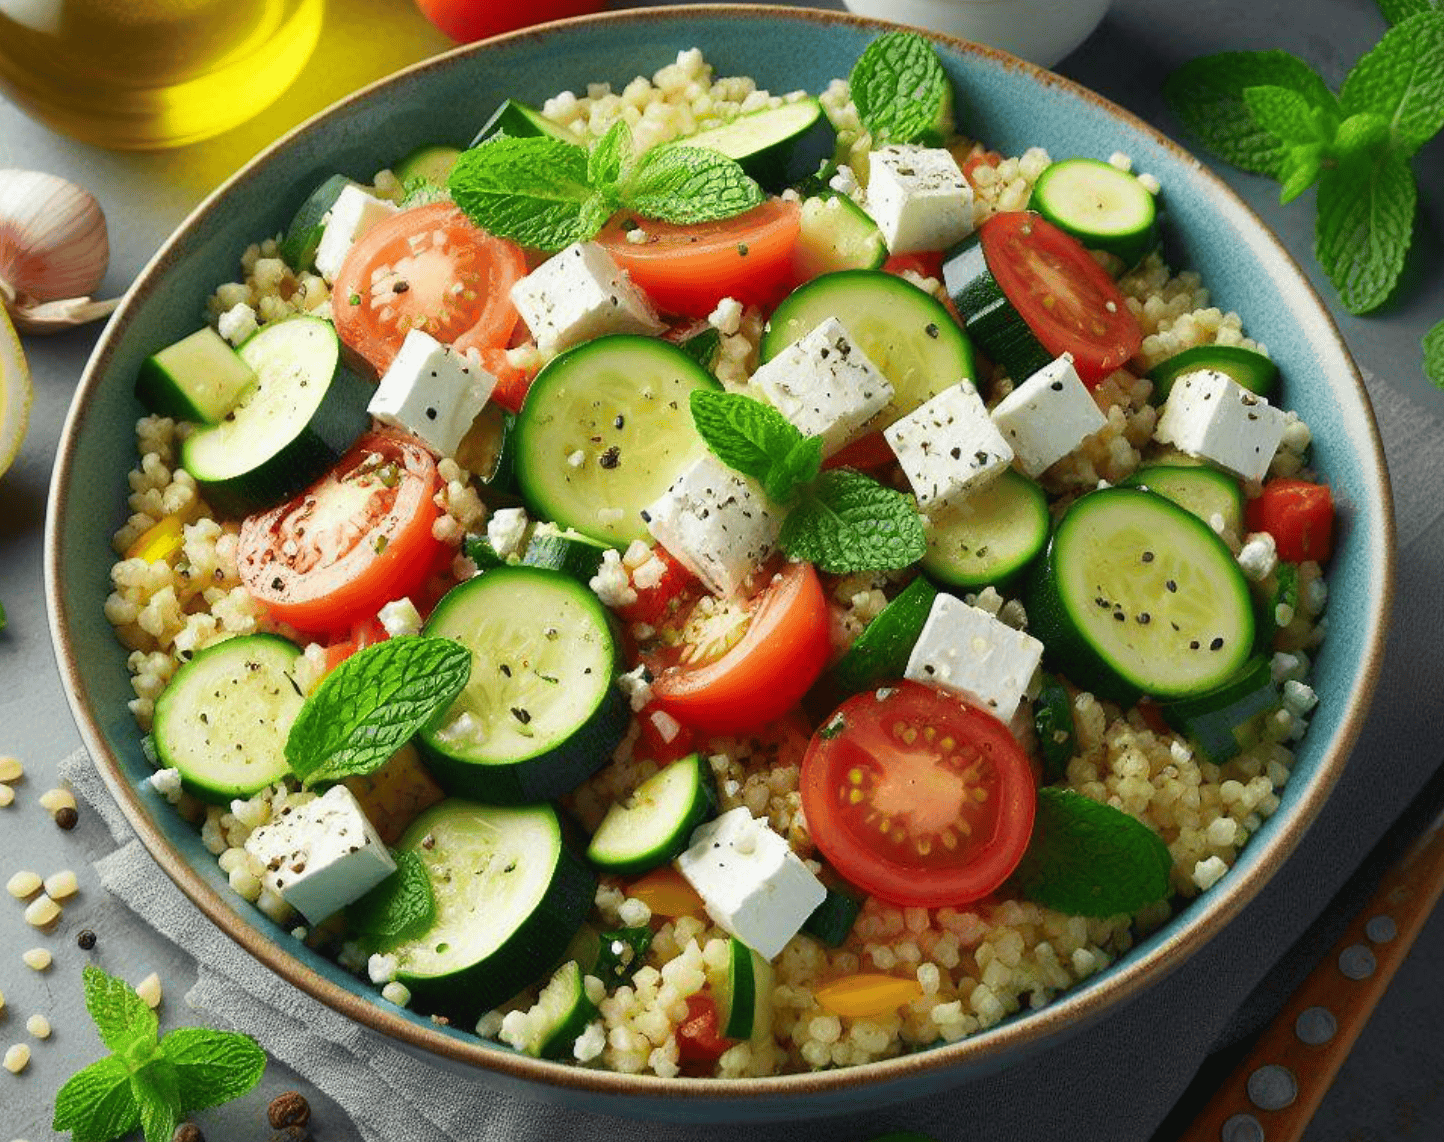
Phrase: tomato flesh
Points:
(426, 268)
(1300, 517)
(1065, 297)
(765, 660)
(687, 270)
(918, 796)
(699, 1038)
(352, 542)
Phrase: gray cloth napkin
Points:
(1114, 1080)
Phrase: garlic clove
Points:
(57, 316)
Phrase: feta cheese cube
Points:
(825, 385)
(237, 323)
(967, 650)
(949, 448)
(1211, 415)
(505, 531)
(1048, 416)
(322, 855)
(400, 618)
(754, 886)
(351, 216)
(580, 294)
(716, 523)
(431, 393)
(919, 198)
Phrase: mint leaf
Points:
(534, 191)
(901, 91)
(372, 704)
(1397, 11)
(1090, 859)
(849, 522)
(400, 905)
(1359, 133)
(126, 1025)
(799, 467)
(1364, 227)
(1287, 115)
(1402, 78)
(212, 1067)
(1434, 354)
(419, 191)
(748, 436)
(623, 951)
(98, 1103)
(608, 154)
(1207, 96)
(703, 347)
(1301, 168)
(688, 184)
(157, 1090)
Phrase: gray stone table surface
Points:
(1392, 1087)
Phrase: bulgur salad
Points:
(711, 582)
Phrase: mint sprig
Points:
(1090, 859)
(901, 91)
(400, 905)
(1434, 354)
(148, 1082)
(1364, 226)
(841, 520)
(546, 193)
(373, 704)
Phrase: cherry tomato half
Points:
(351, 542)
(1067, 299)
(687, 270)
(699, 1039)
(426, 268)
(917, 796)
(1300, 517)
(467, 20)
(744, 665)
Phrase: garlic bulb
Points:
(53, 252)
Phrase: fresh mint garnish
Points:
(546, 193)
(1434, 354)
(748, 436)
(373, 704)
(1288, 116)
(1402, 79)
(145, 1082)
(1397, 11)
(400, 905)
(418, 191)
(621, 954)
(1090, 859)
(703, 347)
(1364, 226)
(849, 522)
(798, 466)
(901, 91)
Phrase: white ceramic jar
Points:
(1041, 31)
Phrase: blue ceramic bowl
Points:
(1010, 104)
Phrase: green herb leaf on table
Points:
(400, 905)
(1397, 11)
(1364, 227)
(157, 1089)
(685, 185)
(1358, 133)
(1288, 116)
(901, 91)
(212, 1067)
(1402, 78)
(373, 704)
(534, 191)
(1090, 859)
(849, 522)
(1301, 169)
(1434, 355)
(98, 1103)
(126, 1025)
(748, 436)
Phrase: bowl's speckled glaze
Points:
(1009, 104)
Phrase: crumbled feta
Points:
(637, 686)
(949, 447)
(431, 393)
(610, 583)
(505, 531)
(237, 323)
(844, 181)
(650, 573)
(1258, 556)
(1299, 697)
(1211, 415)
(579, 294)
(381, 968)
(400, 617)
(967, 650)
(167, 782)
(727, 317)
(354, 214)
(1048, 416)
(590, 1043)
(919, 198)
(1207, 873)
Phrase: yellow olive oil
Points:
(142, 74)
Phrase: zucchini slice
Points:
(572, 554)
(744, 997)
(224, 718)
(1053, 723)
(1138, 596)
(303, 235)
(1227, 721)
(510, 895)
(565, 1013)
(832, 920)
(540, 713)
(1204, 491)
(991, 536)
(302, 413)
(606, 428)
(655, 823)
(776, 145)
(488, 450)
(988, 315)
(429, 164)
(908, 334)
(521, 122)
(199, 378)
(836, 234)
(1248, 367)
(881, 651)
(1103, 207)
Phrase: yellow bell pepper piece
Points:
(866, 994)
(666, 893)
(160, 541)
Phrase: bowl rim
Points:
(1069, 1011)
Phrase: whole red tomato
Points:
(467, 20)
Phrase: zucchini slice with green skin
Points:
(1138, 596)
(989, 317)
(303, 235)
(881, 650)
(744, 998)
(521, 122)
(488, 450)
(836, 234)
(775, 146)
(832, 920)
(430, 164)
(565, 1013)
(908, 334)
(224, 718)
(1248, 367)
(510, 895)
(1204, 491)
(990, 536)
(605, 430)
(1278, 598)
(1225, 722)
(1053, 723)
(199, 378)
(655, 823)
(540, 713)
(572, 554)
(301, 415)
(1103, 207)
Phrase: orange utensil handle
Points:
(1273, 1093)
